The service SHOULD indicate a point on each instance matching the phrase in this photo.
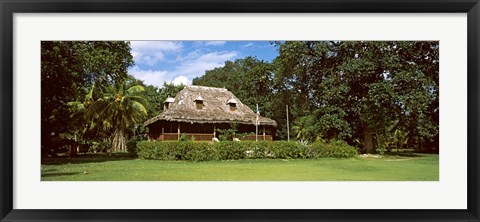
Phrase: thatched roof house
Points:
(201, 110)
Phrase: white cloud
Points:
(196, 65)
(190, 56)
(181, 80)
(214, 43)
(247, 45)
(150, 77)
(152, 52)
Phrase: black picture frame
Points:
(9, 7)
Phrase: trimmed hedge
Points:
(232, 150)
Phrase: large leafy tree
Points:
(417, 84)
(68, 71)
(307, 80)
(359, 91)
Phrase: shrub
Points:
(200, 151)
(258, 150)
(99, 147)
(336, 149)
(183, 137)
(132, 146)
(381, 150)
(232, 150)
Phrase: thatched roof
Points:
(215, 108)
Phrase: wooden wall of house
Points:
(155, 129)
(203, 128)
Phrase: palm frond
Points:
(139, 107)
(121, 88)
(134, 90)
(89, 96)
(76, 106)
(138, 99)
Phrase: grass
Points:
(405, 167)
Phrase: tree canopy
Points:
(69, 69)
(358, 91)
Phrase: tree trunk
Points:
(72, 150)
(118, 141)
(368, 141)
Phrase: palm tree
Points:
(304, 128)
(117, 110)
(400, 138)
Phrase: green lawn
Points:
(404, 167)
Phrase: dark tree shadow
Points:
(57, 174)
(48, 170)
(86, 158)
(405, 154)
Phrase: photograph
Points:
(240, 110)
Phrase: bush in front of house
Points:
(156, 150)
(232, 150)
(199, 151)
(132, 146)
(288, 150)
(335, 149)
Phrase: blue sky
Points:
(178, 62)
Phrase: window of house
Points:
(232, 103)
(199, 104)
(233, 107)
(168, 102)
